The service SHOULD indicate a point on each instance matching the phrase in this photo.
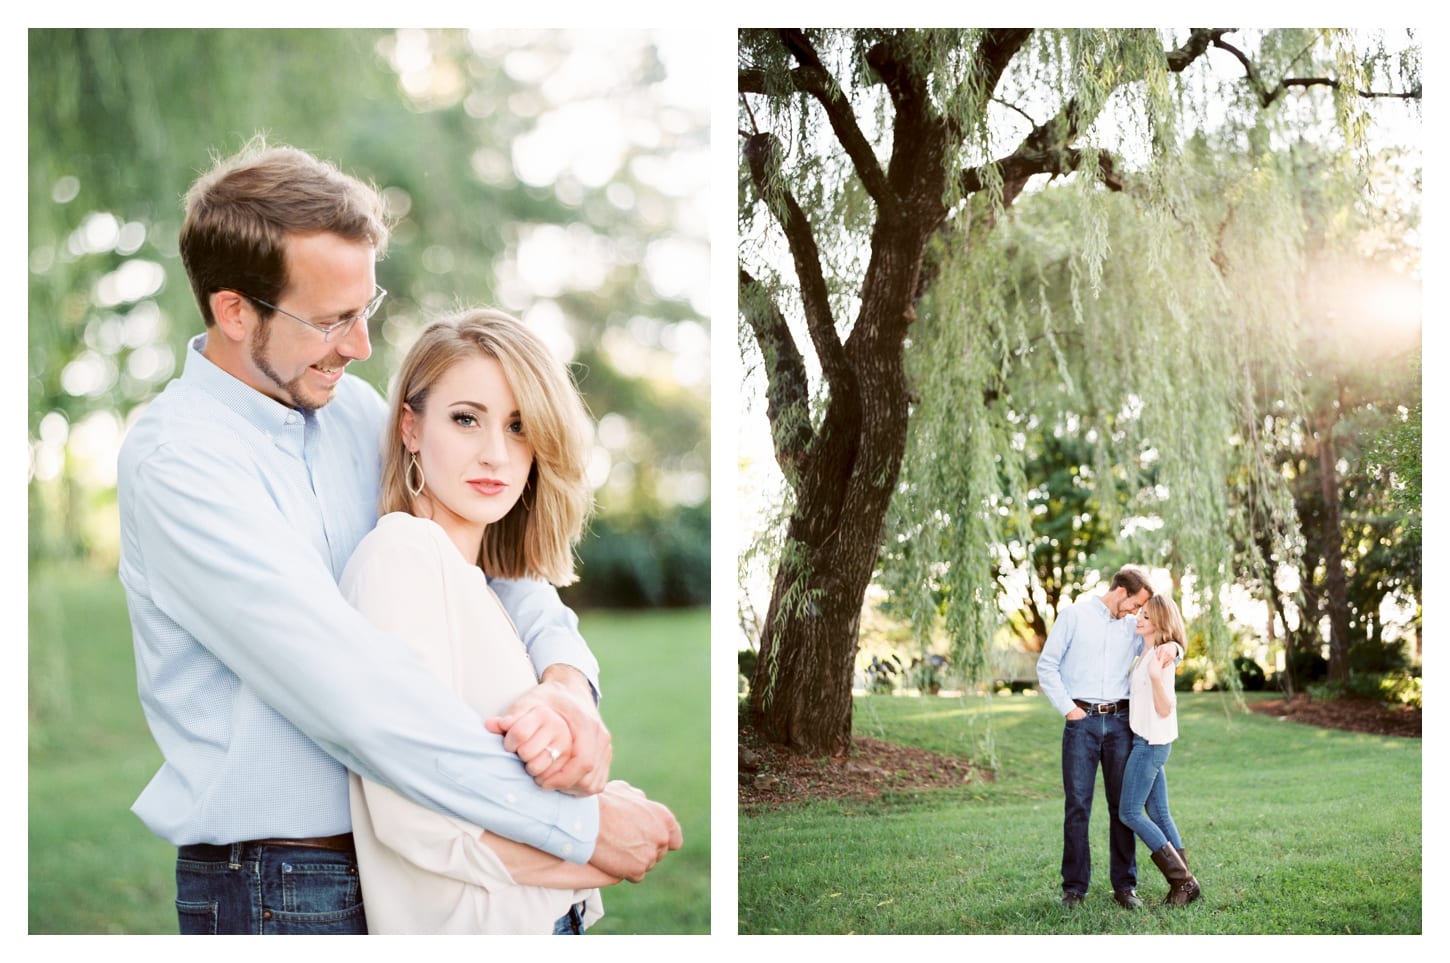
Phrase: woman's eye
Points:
(465, 419)
(517, 427)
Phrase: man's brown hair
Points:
(1134, 578)
(240, 213)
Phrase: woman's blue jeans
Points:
(1144, 803)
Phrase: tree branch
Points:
(1267, 96)
(762, 152)
(787, 390)
(995, 52)
(1020, 165)
(813, 78)
(906, 87)
(1046, 150)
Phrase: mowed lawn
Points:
(1289, 829)
(94, 868)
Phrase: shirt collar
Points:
(265, 413)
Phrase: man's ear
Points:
(230, 310)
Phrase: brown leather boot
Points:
(1182, 887)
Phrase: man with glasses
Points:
(243, 489)
(1083, 671)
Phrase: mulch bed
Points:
(1352, 714)
(771, 775)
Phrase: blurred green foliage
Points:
(553, 174)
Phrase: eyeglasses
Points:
(338, 328)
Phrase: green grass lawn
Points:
(1289, 829)
(94, 868)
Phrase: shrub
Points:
(1395, 688)
(645, 561)
(1194, 675)
(927, 673)
(1405, 688)
(1251, 674)
(1371, 657)
(1308, 667)
(745, 661)
(881, 675)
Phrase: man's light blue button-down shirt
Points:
(261, 684)
(1088, 655)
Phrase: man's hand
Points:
(556, 730)
(634, 833)
(1075, 714)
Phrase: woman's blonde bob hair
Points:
(1164, 614)
(536, 538)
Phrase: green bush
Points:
(881, 674)
(1371, 657)
(745, 665)
(1251, 674)
(1309, 668)
(1195, 674)
(645, 561)
(1394, 688)
(1405, 688)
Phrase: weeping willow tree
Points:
(952, 238)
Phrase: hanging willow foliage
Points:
(1138, 296)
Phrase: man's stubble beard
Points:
(292, 389)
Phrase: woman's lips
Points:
(487, 486)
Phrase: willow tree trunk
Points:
(844, 479)
(801, 692)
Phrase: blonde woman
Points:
(1153, 717)
(483, 477)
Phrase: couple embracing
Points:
(395, 709)
(1108, 666)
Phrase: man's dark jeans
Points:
(262, 889)
(1087, 743)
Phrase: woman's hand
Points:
(556, 730)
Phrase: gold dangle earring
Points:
(413, 467)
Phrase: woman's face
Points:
(472, 446)
(1146, 628)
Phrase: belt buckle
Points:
(1105, 708)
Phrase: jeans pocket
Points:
(319, 897)
(196, 917)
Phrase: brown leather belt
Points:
(338, 844)
(230, 852)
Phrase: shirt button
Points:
(511, 798)
(568, 848)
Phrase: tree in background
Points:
(548, 173)
(882, 172)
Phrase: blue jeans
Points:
(1087, 743)
(572, 922)
(1144, 805)
(264, 889)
